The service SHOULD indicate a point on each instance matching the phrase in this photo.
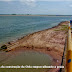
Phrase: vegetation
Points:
(63, 28)
(13, 14)
(4, 47)
(57, 30)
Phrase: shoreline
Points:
(49, 41)
(20, 37)
(41, 15)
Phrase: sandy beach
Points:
(50, 41)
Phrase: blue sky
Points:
(36, 7)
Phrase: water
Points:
(31, 58)
(13, 27)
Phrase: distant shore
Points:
(34, 15)
(50, 41)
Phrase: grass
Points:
(56, 30)
(63, 28)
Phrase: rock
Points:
(4, 47)
(49, 49)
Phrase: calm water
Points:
(31, 58)
(13, 27)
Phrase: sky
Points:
(48, 7)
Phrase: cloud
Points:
(34, 0)
(70, 5)
(6, 0)
(20, 0)
(32, 3)
(28, 2)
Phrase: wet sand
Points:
(50, 41)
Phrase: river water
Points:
(14, 27)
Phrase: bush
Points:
(4, 47)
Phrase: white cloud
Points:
(28, 2)
(6, 0)
(70, 5)
(20, 0)
(34, 0)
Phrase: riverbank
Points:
(34, 15)
(50, 41)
